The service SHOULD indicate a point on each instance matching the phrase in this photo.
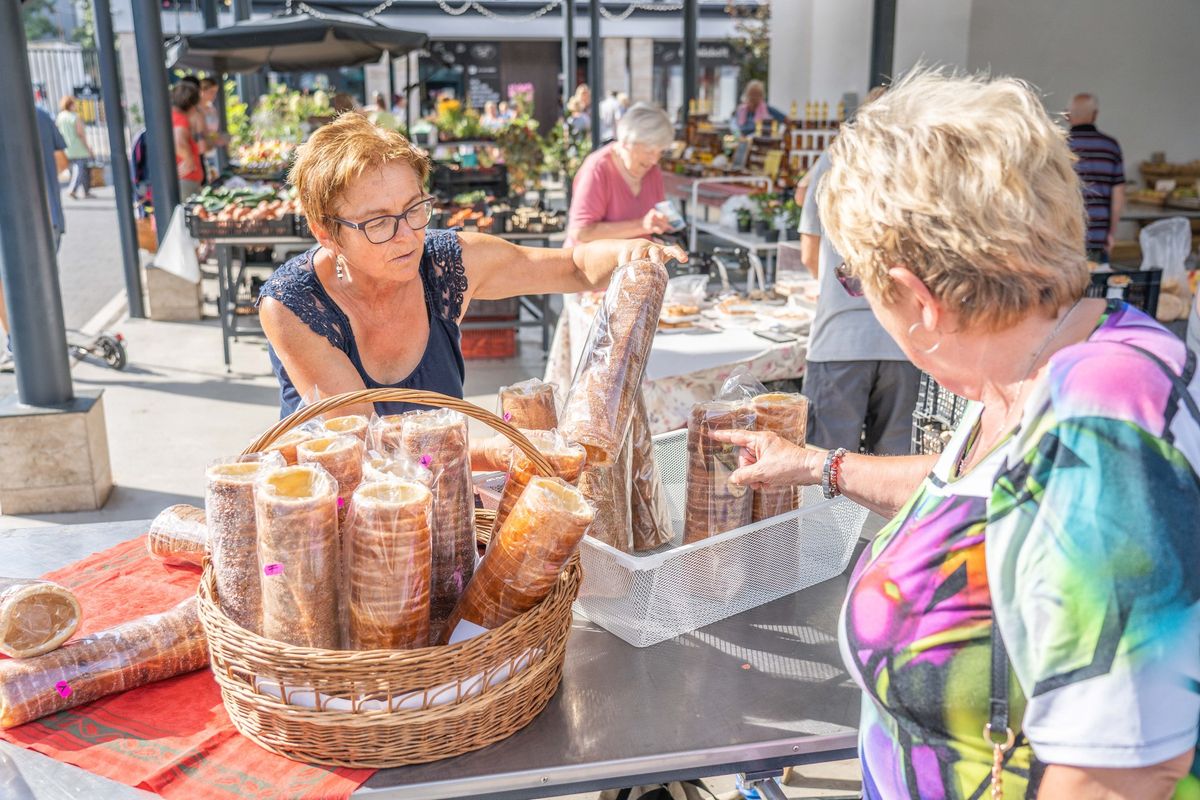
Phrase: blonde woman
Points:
(378, 302)
(1033, 607)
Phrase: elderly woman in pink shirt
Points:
(617, 186)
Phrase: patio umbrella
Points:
(293, 43)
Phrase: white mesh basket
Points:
(651, 597)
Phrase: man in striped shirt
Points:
(1101, 169)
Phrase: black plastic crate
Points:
(929, 436)
(228, 228)
(1139, 289)
(937, 403)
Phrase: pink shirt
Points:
(600, 193)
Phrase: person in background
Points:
(579, 114)
(1031, 613)
(185, 96)
(207, 110)
(50, 141)
(506, 113)
(380, 115)
(491, 119)
(610, 114)
(754, 109)
(78, 152)
(342, 103)
(1101, 170)
(615, 191)
(858, 381)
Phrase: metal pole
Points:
(28, 268)
(391, 81)
(408, 95)
(568, 53)
(250, 84)
(690, 13)
(595, 69)
(883, 41)
(156, 102)
(114, 115)
(209, 7)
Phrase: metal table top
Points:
(756, 692)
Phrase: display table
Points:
(1144, 214)
(754, 693)
(684, 368)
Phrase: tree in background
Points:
(39, 24)
(751, 41)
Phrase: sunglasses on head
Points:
(851, 284)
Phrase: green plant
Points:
(766, 205)
(237, 121)
(36, 17)
(522, 148)
(563, 151)
(751, 42)
(744, 216)
(791, 213)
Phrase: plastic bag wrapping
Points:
(741, 386)
(713, 504)
(786, 415)
(288, 444)
(342, 458)
(355, 425)
(438, 441)
(298, 555)
(567, 460)
(120, 658)
(531, 551)
(606, 487)
(600, 404)
(387, 566)
(387, 433)
(529, 405)
(233, 535)
(650, 514)
(35, 616)
(178, 536)
(686, 292)
(492, 454)
(1166, 243)
(394, 467)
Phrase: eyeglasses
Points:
(382, 229)
(851, 284)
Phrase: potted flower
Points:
(790, 220)
(744, 220)
(765, 209)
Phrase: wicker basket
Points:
(391, 738)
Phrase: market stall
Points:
(356, 608)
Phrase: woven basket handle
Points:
(431, 399)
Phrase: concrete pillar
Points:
(131, 82)
(616, 74)
(790, 65)
(641, 70)
(932, 32)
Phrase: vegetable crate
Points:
(222, 228)
(647, 598)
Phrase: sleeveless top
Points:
(1079, 534)
(296, 285)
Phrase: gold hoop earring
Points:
(340, 266)
(929, 351)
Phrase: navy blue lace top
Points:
(296, 285)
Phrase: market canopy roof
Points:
(293, 43)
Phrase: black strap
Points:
(998, 711)
(1179, 393)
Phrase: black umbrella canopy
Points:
(293, 43)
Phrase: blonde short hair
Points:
(965, 181)
(338, 153)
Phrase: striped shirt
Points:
(1100, 167)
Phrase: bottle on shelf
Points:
(795, 110)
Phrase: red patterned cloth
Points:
(172, 737)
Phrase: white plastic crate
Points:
(649, 598)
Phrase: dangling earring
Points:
(340, 266)
(929, 351)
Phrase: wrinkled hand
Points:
(598, 259)
(655, 221)
(767, 460)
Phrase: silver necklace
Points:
(1005, 425)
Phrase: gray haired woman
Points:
(617, 187)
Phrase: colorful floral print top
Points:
(1082, 534)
